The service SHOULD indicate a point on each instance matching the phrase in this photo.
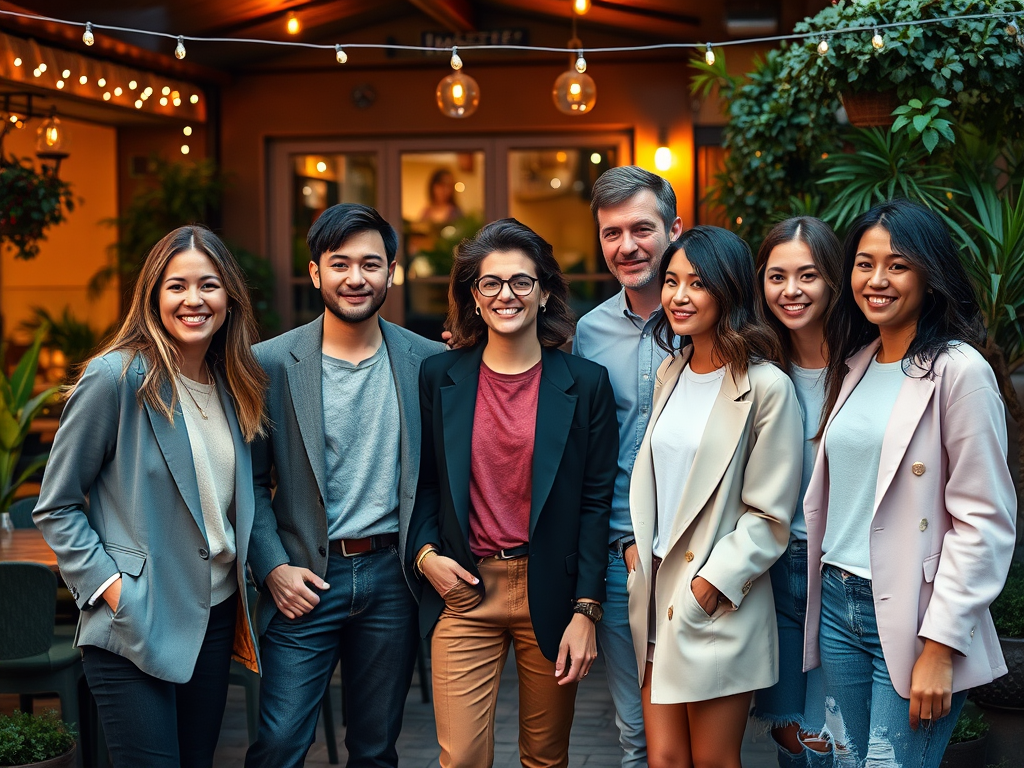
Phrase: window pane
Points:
(549, 191)
(442, 203)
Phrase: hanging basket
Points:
(867, 110)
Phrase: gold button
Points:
(746, 587)
(917, 468)
(670, 613)
(923, 525)
(688, 555)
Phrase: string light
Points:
(458, 94)
(42, 67)
(106, 95)
(165, 91)
(132, 85)
(187, 130)
(118, 91)
(823, 46)
(83, 79)
(456, 59)
(293, 26)
(877, 41)
(102, 82)
(194, 98)
(60, 83)
(340, 55)
(179, 49)
(581, 6)
(184, 149)
(709, 56)
(581, 63)
(88, 37)
(163, 101)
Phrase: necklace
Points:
(192, 397)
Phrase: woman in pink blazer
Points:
(910, 509)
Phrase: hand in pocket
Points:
(462, 597)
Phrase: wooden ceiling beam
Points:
(453, 15)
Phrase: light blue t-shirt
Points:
(810, 392)
(853, 446)
(614, 336)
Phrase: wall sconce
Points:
(663, 155)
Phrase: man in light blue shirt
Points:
(635, 211)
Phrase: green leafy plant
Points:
(969, 727)
(30, 203)
(924, 119)
(75, 338)
(26, 738)
(1008, 608)
(18, 406)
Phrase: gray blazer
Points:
(291, 524)
(143, 520)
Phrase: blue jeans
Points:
(367, 620)
(615, 642)
(151, 722)
(797, 697)
(867, 720)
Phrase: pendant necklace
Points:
(209, 395)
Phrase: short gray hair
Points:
(617, 185)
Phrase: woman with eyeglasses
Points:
(510, 525)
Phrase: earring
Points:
(478, 310)
(543, 307)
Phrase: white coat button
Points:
(923, 525)
(917, 468)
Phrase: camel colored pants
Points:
(468, 652)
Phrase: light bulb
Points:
(458, 95)
(138, 103)
(17, 62)
(878, 41)
(88, 37)
(823, 46)
(118, 91)
(60, 83)
(65, 74)
(176, 102)
(163, 101)
(106, 95)
(194, 98)
(663, 158)
(293, 25)
(179, 49)
(581, 6)
(340, 55)
(83, 79)
(132, 85)
(709, 55)
(165, 91)
(102, 82)
(456, 59)
(187, 130)
(42, 67)
(36, 72)
(184, 149)
(574, 93)
(581, 63)
(51, 137)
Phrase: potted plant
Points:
(30, 202)
(39, 741)
(1007, 692)
(18, 406)
(966, 748)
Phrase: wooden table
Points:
(26, 545)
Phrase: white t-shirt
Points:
(675, 441)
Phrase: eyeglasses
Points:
(490, 286)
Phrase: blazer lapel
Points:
(405, 371)
(305, 385)
(716, 450)
(244, 499)
(555, 409)
(458, 405)
(911, 403)
(177, 450)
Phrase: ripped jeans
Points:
(864, 716)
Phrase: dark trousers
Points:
(367, 620)
(153, 723)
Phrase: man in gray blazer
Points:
(327, 546)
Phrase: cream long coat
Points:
(731, 525)
(942, 533)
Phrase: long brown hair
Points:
(827, 255)
(723, 262)
(555, 325)
(142, 332)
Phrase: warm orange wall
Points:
(75, 250)
(644, 97)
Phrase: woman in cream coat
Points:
(712, 492)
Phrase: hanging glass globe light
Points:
(458, 95)
(574, 92)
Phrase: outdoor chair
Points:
(21, 512)
(33, 660)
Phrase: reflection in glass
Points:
(549, 191)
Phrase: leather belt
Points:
(353, 547)
(512, 553)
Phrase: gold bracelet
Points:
(422, 557)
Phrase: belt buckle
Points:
(501, 555)
(346, 553)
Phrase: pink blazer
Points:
(942, 533)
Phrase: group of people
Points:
(778, 480)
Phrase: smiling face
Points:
(633, 239)
(794, 289)
(192, 300)
(354, 278)
(889, 291)
(507, 314)
(690, 309)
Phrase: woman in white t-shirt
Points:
(712, 493)
(799, 269)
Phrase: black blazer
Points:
(574, 465)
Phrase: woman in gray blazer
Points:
(155, 435)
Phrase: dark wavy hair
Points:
(950, 312)
(723, 262)
(555, 325)
(827, 255)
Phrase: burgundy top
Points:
(501, 463)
